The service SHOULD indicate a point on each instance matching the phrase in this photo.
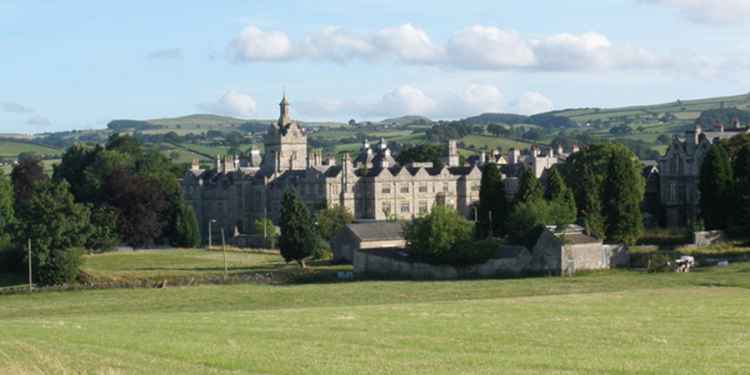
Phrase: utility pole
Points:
(224, 249)
(31, 284)
(209, 232)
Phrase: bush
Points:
(62, 267)
(12, 261)
(435, 234)
(322, 250)
(659, 262)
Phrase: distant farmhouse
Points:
(679, 170)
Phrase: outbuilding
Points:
(367, 236)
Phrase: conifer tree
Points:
(716, 185)
(493, 205)
(591, 207)
(623, 193)
(298, 237)
(742, 176)
(561, 200)
(186, 229)
(529, 188)
(7, 214)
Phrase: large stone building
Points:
(679, 170)
(372, 186)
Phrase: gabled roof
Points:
(377, 231)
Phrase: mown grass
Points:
(617, 322)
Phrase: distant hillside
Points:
(680, 109)
(407, 120)
(497, 118)
(199, 119)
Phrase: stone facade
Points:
(372, 186)
(679, 170)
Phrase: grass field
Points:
(11, 149)
(616, 322)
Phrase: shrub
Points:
(62, 267)
(659, 262)
(435, 234)
(322, 250)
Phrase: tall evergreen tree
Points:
(562, 204)
(591, 206)
(716, 185)
(555, 185)
(298, 237)
(742, 176)
(623, 193)
(529, 188)
(7, 214)
(493, 205)
(186, 232)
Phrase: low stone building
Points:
(555, 253)
(367, 236)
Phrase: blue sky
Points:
(78, 64)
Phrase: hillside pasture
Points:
(11, 149)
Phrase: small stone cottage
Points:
(366, 236)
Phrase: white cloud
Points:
(533, 102)
(408, 43)
(480, 47)
(405, 100)
(715, 12)
(320, 108)
(337, 44)
(232, 103)
(253, 44)
(473, 48)
(480, 99)
(38, 121)
(15, 108)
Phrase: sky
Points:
(79, 64)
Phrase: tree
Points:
(104, 234)
(622, 196)
(268, 230)
(25, 175)
(332, 220)
(524, 221)
(57, 227)
(591, 206)
(298, 237)
(141, 204)
(7, 213)
(562, 204)
(742, 176)
(716, 188)
(493, 204)
(434, 235)
(422, 154)
(529, 188)
(186, 233)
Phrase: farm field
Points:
(11, 149)
(613, 322)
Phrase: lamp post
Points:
(209, 232)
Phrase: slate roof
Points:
(377, 231)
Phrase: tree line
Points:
(98, 197)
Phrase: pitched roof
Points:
(377, 231)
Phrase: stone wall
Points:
(397, 265)
(550, 256)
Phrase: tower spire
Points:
(284, 110)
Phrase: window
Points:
(386, 190)
(405, 208)
(405, 188)
(387, 208)
(475, 187)
(422, 207)
(672, 192)
(422, 188)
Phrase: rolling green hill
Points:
(11, 149)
